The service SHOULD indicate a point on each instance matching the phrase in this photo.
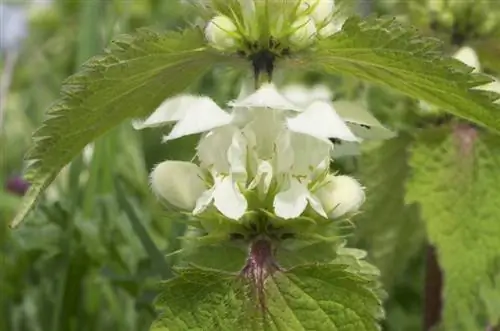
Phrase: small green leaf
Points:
(384, 52)
(134, 76)
(455, 180)
(313, 297)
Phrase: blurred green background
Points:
(89, 256)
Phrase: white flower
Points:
(340, 195)
(322, 13)
(359, 120)
(468, 56)
(322, 10)
(220, 32)
(179, 183)
(265, 137)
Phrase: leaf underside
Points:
(455, 180)
(384, 52)
(134, 76)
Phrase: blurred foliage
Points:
(90, 257)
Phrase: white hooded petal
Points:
(202, 116)
(228, 199)
(468, 56)
(179, 183)
(220, 32)
(284, 153)
(262, 179)
(494, 86)
(237, 156)
(291, 202)
(266, 96)
(213, 147)
(266, 125)
(309, 153)
(204, 201)
(340, 195)
(171, 110)
(322, 10)
(316, 205)
(322, 121)
(303, 96)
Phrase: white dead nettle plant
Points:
(263, 152)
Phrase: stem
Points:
(5, 81)
(433, 288)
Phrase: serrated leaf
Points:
(134, 76)
(455, 180)
(313, 297)
(384, 52)
(390, 230)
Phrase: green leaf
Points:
(134, 76)
(455, 180)
(388, 229)
(313, 297)
(384, 52)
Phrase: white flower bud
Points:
(322, 11)
(468, 56)
(340, 195)
(220, 32)
(304, 32)
(179, 183)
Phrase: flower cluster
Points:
(264, 152)
(309, 19)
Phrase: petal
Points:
(237, 156)
(171, 110)
(204, 201)
(309, 153)
(263, 178)
(322, 121)
(316, 205)
(213, 147)
(361, 122)
(228, 199)
(303, 96)
(179, 183)
(468, 56)
(284, 155)
(298, 94)
(292, 202)
(201, 116)
(265, 97)
(266, 126)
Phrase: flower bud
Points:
(179, 183)
(220, 32)
(340, 195)
(304, 32)
(322, 10)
